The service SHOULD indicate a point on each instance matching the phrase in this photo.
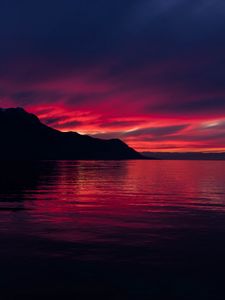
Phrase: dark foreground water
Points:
(112, 230)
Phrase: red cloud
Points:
(147, 107)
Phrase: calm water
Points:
(115, 230)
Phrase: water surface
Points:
(112, 229)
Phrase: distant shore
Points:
(185, 155)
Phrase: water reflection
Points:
(123, 202)
(141, 223)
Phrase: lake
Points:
(112, 230)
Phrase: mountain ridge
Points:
(24, 136)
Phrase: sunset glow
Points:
(159, 86)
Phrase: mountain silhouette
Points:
(23, 136)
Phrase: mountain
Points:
(23, 136)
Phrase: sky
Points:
(151, 72)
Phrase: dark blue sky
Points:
(111, 68)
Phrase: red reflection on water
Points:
(117, 201)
